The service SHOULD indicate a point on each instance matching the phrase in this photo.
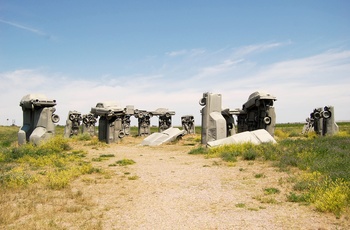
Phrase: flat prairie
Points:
(166, 188)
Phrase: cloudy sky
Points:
(166, 54)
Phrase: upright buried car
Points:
(259, 113)
(38, 118)
(112, 120)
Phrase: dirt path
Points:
(169, 189)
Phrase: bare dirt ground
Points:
(169, 189)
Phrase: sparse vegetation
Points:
(50, 163)
(103, 157)
(135, 177)
(240, 205)
(32, 177)
(259, 175)
(328, 157)
(198, 150)
(269, 191)
(125, 162)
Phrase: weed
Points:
(280, 134)
(79, 153)
(331, 196)
(250, 154)
(133, 177)
(59, 179)
(107, 155)
(259, 175)
(229, 156)
(300, 198)
(98, 159)
(266, 200)
(102, 157)
(96, 143)
(301, 186)
(82, 137)
(16, 177)
(199, 150)
(248, 151)
(125, 162)
(240, 205)
(269, 191)
(8, 135)
(229, 152)
(311, 135)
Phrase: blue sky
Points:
(166, 54)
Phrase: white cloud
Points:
(216, 70)
(176, 53)
(304, 84)
(26, 28)
(258, 48)
(183, 52)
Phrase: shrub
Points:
(250, 154)
(199, 150)
(59, 179)
(294, 197)
(229, 156)
(16, 177)
(280, 134)
(229, 152)
(55, 144)
(48, 162)
(52, 146)
(270, 151)
(331, 196)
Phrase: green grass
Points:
(198, 150)
(269, 191)
(135, 177)
(327, 157)
(324, 161)
(125, 162)
(53, 163)
(259, 175)
(103, 157)
(240, 205)
(8, 135)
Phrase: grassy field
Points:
(324, 163)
